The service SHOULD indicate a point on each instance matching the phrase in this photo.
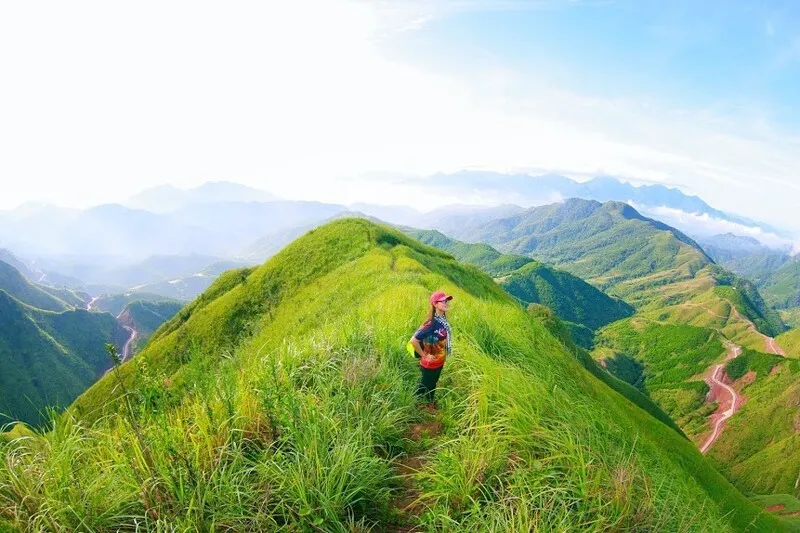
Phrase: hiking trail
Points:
(407, 503)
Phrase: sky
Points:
(346, 101)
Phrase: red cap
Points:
(439, 296)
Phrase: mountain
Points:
(22, 267)
(745, 256)
(609, 245)
(16, 285)
(126, 235)
(760, 448)
(689, 213)
(166, 198)
(782, 287)
(48, 358)
(689, 309)
(285, 396)
(582, 307)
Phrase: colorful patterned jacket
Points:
(435, 336)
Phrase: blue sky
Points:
(729, 55)
(362, 101)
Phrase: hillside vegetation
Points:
(760, 450)
(790, 342)
(782, 287)
(581, 306)
(47, 359)
(282, 399)
(16, 285)
(146, 317)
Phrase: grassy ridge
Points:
(26, 292)
(281, 398)
(115, 303)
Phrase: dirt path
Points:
(89, 305)
(126, 350)
(407, 503)
(728, 399)
(769, 343)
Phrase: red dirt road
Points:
(728, 399)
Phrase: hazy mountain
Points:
(745, 256)
(166, 198)
(688, 213)
(781, 288)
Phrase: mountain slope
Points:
(582, 307)
(790, 342)
(782, 288)
(760, 450)
(15, 284)
(299, 391)
(47, 358)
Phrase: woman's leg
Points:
(428, 379)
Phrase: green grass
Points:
(115, 303)
(790, 342)
(783, 505)
(791, 317)
(751, 361)
(282, 397)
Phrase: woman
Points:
(432, 345)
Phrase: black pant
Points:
(428, 379)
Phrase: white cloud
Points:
(703, 224)
(106, 99)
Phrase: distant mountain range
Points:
(687, 213)
(166, 198)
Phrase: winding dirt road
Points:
(89, 305)
(126, 350)
(725, 395)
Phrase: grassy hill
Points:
(48, 358)
(282, 398)
(609, 245)
(581, 306)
